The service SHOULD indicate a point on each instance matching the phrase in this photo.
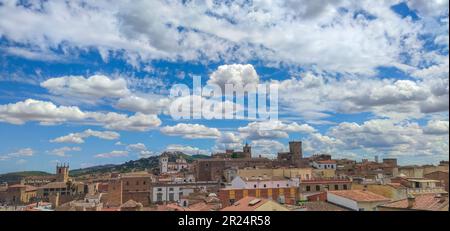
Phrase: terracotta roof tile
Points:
(430, 202)
(359, 195)
(243, 204)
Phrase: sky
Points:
(88, 82)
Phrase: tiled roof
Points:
(55, 185)
(322, 206)
(429, 202)
(244, 204)
(27, 187)
(359, 195)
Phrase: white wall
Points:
(238, 182)
(342, 201)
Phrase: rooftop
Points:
(359, 195)
(27, 187)
(428, 202)
(253, 203)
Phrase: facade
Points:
(165, 166)
(136, 187)
(419, 185)
(295, 154)
(177, 166)
(283, 195)
(267, 182)
(213, 169)
(441, 176)
(324, 164)
(356, 200)
(163, 163)
(18, 194)
(38, 181)
(174, 191)
(62, 173)
(301, 173)
(317, 186)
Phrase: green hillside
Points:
(16, 176)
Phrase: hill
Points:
(16, 176)
(134, 165)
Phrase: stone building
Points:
(165, 166)
(136, 186)
(18, 194)
(441, 176)
(301, 173)
(317, 186)
(229, 153)
(213, 169)
(295, 155)
(424, 202)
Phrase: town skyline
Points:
(89, 82)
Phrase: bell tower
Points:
(62, 173)
(247, 150)
(163, 163)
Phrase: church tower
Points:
(62, 173)
(247, 150)
(163, 162)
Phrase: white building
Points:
(260, 183)
(324, 164)
(172, 167)
(357, 200)
(174, 191)
(163, 163)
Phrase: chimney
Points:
(411, 200)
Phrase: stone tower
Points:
(247, 151)
(295, 149)
(62, 173)
(163, 162)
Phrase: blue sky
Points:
(88, 83)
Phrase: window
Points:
(170, 189)
(137, 182)
(278, 185)
(344, 187)
(143, 183)
(336, 187)
(308, 188)
(317, 187)
(264, 185)
(159, 196)
(159, 189)
(171, 197)
(128, 183)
